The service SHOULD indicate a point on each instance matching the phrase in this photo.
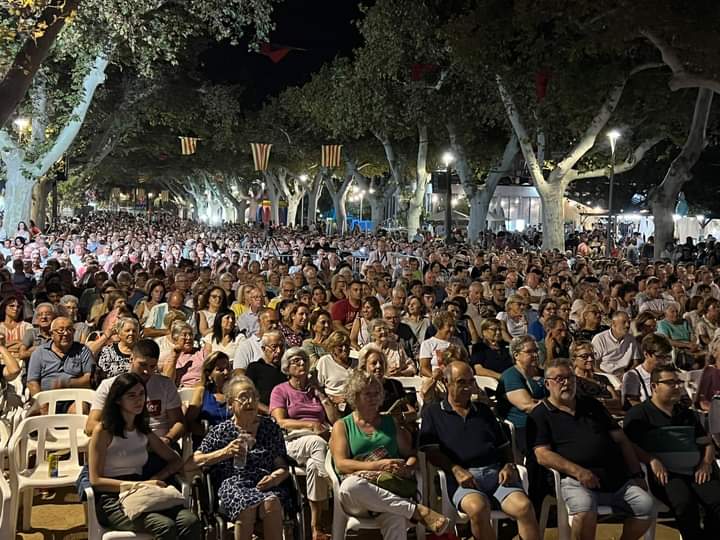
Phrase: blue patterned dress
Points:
(237, 490)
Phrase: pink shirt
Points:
(192, 375)
(298, 404)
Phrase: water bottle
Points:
(240, 460)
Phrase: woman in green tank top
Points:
(366, 441)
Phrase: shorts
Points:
(630, 499)
(486, 479)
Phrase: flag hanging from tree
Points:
(261, 155)
(330, 155)
(188, 145)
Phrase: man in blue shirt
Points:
(466, 441)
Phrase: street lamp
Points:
(303, 179)
(22, 125)
(613, 136)
(447, 159)
(362, 196)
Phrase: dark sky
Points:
(324, 27)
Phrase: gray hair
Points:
(238, 382)
(357, 383)
(264, 340)
(378, 323)
(514, 299)
(517, 344)
(366, 351)
(46, 305)
(177, 327)
(69, 298)
(292, 352)
(127, 320)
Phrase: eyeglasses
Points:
(666, 357)
(299, 361)
(245, 398)
(561, 380)
(671, 382)
(63, 331)
(530, 351)
(274, 346)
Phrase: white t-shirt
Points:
(332, 376)
(431, 348)
(230, 349)
(161, 397)
(634, 386)
(246, 352)
(515, 328)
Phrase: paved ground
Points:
(64, 519)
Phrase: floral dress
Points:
(237, 491)
(112, 362)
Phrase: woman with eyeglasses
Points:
(490, 357)
(521, 387)
(591, 383)
(514, 323)
(334, 369)
(245, 455)
(12, 325)
(644, 324)
(184, 363)
(210, 304)
(301, 408)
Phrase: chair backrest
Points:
(486, 382)
(41, 425)
(332, 474)
(77, 395)
(186, 395)
(613, 380)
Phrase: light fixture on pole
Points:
(447, 159)
(303, 179)
(613, 136)
(362, 196)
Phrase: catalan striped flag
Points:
(261, 155)
(331, 155)
(188, 145)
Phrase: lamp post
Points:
(303, 179)
(447, 159)
(362, 196)
(613, 136)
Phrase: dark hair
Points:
(544, 303)
(205, 298)
(374, 304)
(314, 316)
(655, 343)
(208, 366)
(627, 288)
(460, 302)
(217, 325)
(9, 300)
(112, 418)
(667, 368)
(146, 348)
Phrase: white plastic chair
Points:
(6, 504)
(23, 478)
(460, 518)
(342, 521)
(98, 532)
(484, 381)
(80, 397)
(186, 395)
(564, 520)
(411, 383)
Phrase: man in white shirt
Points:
(248, 322)
(616, 347)
(251, 349)
(162, 399)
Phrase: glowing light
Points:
(700, 217)
(448, 158)
(613, 135)
(303, 177)
(21, 123)
(371, 190)
(454, 203)
(435, 198)
(676, 217)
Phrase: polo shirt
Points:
(475, 440)
(583, 438)
(162, 395)
(615, 355)
(248, 351)
(266, 377)
(673, 439)
(46, 366)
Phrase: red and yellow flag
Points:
(331, 155)
(188, 145)
(261, 155)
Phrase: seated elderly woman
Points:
(300, 407)
(397, 362)
(397, 401)
(688, 354)
(365, 444)
(184, 363)
(591, 383)
(114, 358)
(334, 369)
(119, 452)
(245, 455)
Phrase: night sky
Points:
(325, 28)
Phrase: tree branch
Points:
(521, 133)
(627, 165)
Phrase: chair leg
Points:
(13, 518)
(339, 522)
(495, 524)
(27, 500)
(545, 514)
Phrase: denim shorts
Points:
(486, 479)
(630, 499)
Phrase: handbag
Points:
(399, 485)
(139, 498)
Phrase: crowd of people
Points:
(297, 345)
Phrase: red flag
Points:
(274, 53)
(419, 71)
(188, 145)
(542, 79)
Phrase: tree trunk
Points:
(479, 205)
(18, 197)
(417, 200)
(340, 212)
(552, 198)
(313, 197)
(274, 197)
(293, 207)
(39, 209)
(664, 196)
(377, 211)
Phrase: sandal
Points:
(433, 521)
